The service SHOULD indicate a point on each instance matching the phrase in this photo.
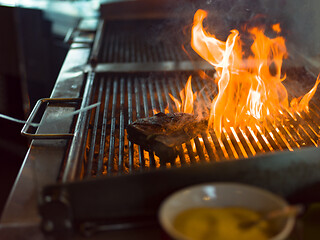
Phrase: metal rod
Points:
(160, 96)
(122, 124)
(130, 120)
(146, 113)
(237, 142)
(146, 67)
(113, 127)
(138, 111)
(199, 149)
(252, 149)
(166, 94)
(77, 146)
(152, 96)
(104, 127)
(97, 44)
(94, 133)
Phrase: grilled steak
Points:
(162, 133)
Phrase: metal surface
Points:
(140, 42)
(97, 44)
(34, 113)
(79, 139)
(136, 197)
(42, 163)
(168, 66)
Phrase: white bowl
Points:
(222, 195)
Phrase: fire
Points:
(187, 97)
(303, 104)
(250, 87)
(276, 28)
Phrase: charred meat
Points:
(162, 133)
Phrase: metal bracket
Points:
(34, 112)
(56, 212)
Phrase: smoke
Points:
(223, 16)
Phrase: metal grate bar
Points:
(138, 110)
(299, 129)
(237, 143)
(199, 150)
(146, 113)
(152, 95)
(103, 127)
(309, 125)
(122, 124)
(314, 119)
(279, 136)
(161, 98)
(130, 120)
(93, 134)
(110, 167)
(251, 150)
(136, 41)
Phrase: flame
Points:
(303, 105)
(248, 91)
(156, 111)
(187, 97)
(276, 28)
(250, 88)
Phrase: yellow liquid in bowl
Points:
(220, 224)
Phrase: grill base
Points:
(135, 198)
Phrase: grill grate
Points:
(139, 41)
(125, 98)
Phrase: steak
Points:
(163, 133)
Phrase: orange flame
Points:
(187, 97)
(250, 89)
(304, 102)
(276, 28)
(156, 111)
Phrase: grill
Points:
(126, 98)
(95, 179)
(129, 94)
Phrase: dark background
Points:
(30, 58)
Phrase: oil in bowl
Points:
(217, 211)
(205, 223)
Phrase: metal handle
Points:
(34, 112)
